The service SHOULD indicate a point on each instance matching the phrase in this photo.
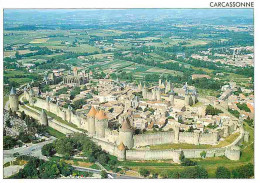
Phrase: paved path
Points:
(116, 176)
(11, 170)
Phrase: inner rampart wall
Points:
(153, 139)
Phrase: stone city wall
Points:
(229, 152)
(196, 153)
(109, 147)
(29, 112)
(61, 112)
(61, 127)
(175, 154)
(208, 138)
(152, 154)
(221, 133)
(153, 139)
(186, 137)
(52, 123)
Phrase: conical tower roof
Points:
(13, 91)
(70, 108)
(43, 113)
(101, 115)
(92, 112)
(31, 92)
(171, 92)
(48, 99)
(121, 146)
(126, 126)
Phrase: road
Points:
(98, 171)
(32, 149)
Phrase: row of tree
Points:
(198, 172)
(69, 146)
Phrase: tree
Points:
(188, 162)
(48, 150)
(24, 137)
(196, 172)
(17, 55)
(49, 170)
(112, 162)
(23, 115)
(103, 159)
(144, 172)
(65, 169)
(244, 171)
(173, 174)
(203, 154)
(64, 146)
(8, 123)
(164, 174)
(243, 107)
(210, 110)
(103, 174)
(222, 173)
(9, 142)
(181, 157)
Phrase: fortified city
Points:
(128, 94)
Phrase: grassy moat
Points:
(223, 143)
(211, 164)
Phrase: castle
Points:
(124, 143)
(76, 78)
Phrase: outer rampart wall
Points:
(61, 112)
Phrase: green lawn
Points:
(180, 146)
(208, 92)
(226, 142)
(55, 133)
(54, 116)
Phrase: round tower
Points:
(186, 98)
(154, 94)
(68, 113)
(31, 93)
(126, 134)
(48, 99)
(158, 94)
(176, 132)
(43, 118)
(246, 136)
(75, 71)
(140, 86)
(160, 82)
(91, 121)
(233, 153)
(190, 101)
(25, 93)
(13, 100)
(121, 153)
(168, 87)
(171, 97)
(194, 97)
(144, 92)
(101, 124)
